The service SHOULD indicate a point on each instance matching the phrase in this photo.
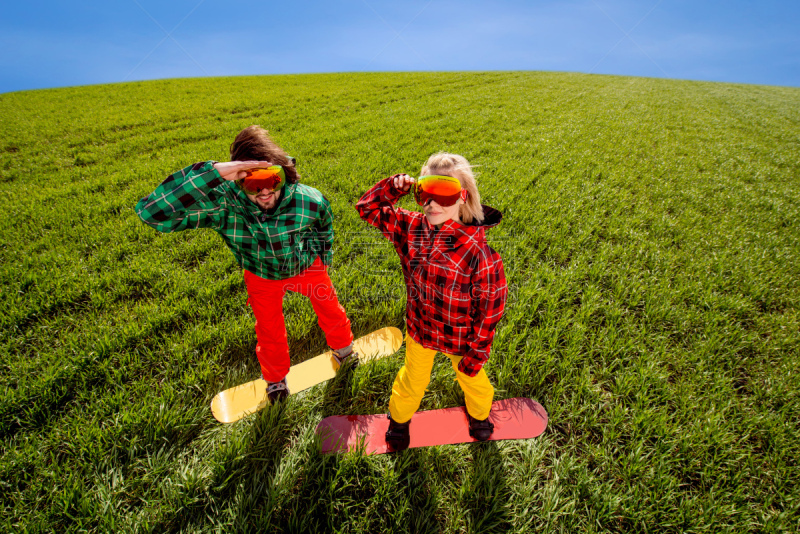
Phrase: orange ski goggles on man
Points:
(269, 178)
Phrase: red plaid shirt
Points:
(455, 282)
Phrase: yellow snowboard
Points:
(239, 401)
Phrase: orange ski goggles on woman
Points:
(270, 178)
(445, 190)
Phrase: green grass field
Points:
(651, 244)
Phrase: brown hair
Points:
(254, 143)
(458, 167)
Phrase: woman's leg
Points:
(478, 391)
(411, 381)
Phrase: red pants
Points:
(266, 299)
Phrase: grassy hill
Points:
(651, 246)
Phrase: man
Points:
(279, 230)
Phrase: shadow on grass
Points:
(417, 486)
(338, 396)
(242, 350)
(485, 494)
(265, 444)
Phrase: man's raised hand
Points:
(234, 170)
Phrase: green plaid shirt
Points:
(274, 246)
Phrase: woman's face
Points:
(438, 215)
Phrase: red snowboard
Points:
(518, 418)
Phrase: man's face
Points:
(266, 199)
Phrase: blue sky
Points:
(53, 44)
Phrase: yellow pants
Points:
(410, 383)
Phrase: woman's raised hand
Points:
(403, 182)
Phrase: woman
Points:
(455, 285)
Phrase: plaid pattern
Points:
(455, 282)
(274, 246)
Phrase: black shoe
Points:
(397, 436)
(277, 391)
(348, 356)
(480, 430)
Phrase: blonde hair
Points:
(458, 167)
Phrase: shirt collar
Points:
(287, 193)
(455, 234)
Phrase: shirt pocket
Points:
(449, 294)
(450, 335)
(309, 242)
(279, 247)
